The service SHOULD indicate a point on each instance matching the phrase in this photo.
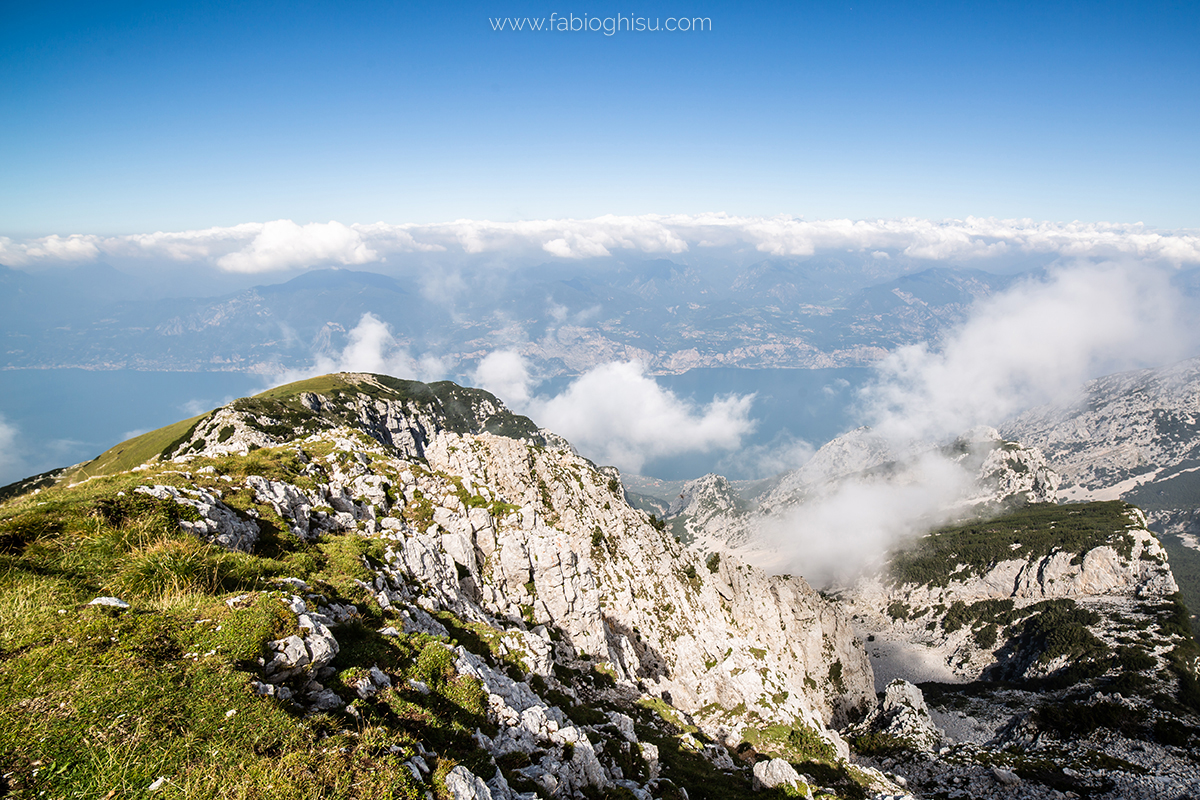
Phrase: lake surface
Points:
(57, 417)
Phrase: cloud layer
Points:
(1033, 344)
(617, 414)
(371, 348)
(284, 245)
(1036, 343)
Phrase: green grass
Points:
(322, 384)
(99, 704)
(132, 452)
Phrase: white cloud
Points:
(283, 244)
(12, 466)
(849, 526)
(371, 348)
(1035, 343)
(617, 414)
(505, 374)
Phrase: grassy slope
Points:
(323, 384)
(131, 453)
(140, 449)
(99, 704)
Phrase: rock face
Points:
(1120, 569)
(1126, 429)
(486, 518)
(903, 715)
(711, 515)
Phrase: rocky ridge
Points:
(1127, 430)
(599, 656)
(712, 516)
(514, 536)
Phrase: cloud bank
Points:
(371, 348)
(617, 414)
(285, 245)
(1035, 343)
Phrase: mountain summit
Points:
(440, 594)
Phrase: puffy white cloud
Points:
(505, 374)
(371, 348)
(1038, 342)
(617, 414)
(283, 244)
(849, 526)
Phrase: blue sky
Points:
(125, 118)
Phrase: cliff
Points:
(370, 518)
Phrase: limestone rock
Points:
(779, 774)
(902, 713)
(110, 602)
(217, 523)
(464, 785)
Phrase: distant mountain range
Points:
(567, 317)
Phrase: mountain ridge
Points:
(463, 605)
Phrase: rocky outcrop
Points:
(519, 535)
(401, 415)
(211, 520)
(906, 622)
(902, 715)
(776, 773)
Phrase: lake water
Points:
(57, 417)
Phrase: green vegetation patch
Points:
(1060, 628)
(880, 744)
(461, 408)
(1073, 720)
(1036, 531)
(98, 703)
